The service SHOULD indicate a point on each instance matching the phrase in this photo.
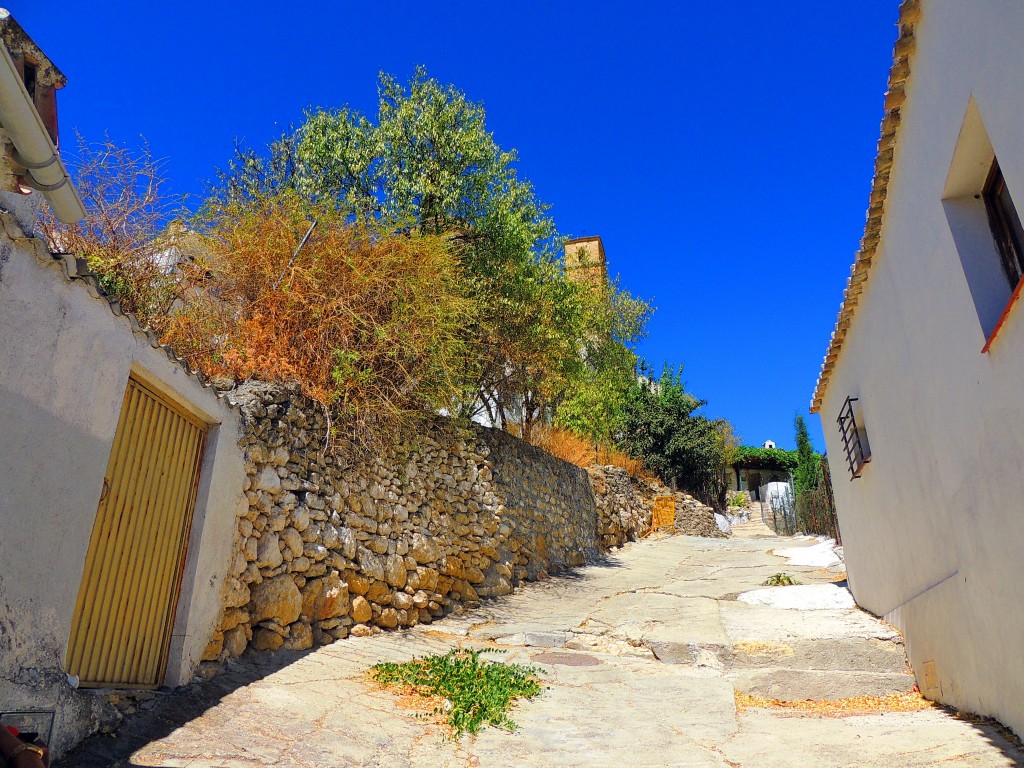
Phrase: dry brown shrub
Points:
(570, 447)
(372, 326)
(126, 210)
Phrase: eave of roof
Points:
(899, 74)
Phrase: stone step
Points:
(849, 654)
(800, 684)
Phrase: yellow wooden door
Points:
(122, 624)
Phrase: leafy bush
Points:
(372, 325)
(765, 458)
(470, 692)
(736, 500)
(663, 430)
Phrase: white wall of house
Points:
(933, 530)
(64, 365)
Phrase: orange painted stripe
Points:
(1002, 317)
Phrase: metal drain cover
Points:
(566, 659)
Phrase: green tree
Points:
(808, 462)
(594, 405)
(662, 428)
(428, 165)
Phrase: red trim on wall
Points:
(1002, 318)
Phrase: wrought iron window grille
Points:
(856, 455)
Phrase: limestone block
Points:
(214, 647)
(292, 541)
(268, 480)
(330, 538)
(300, 518)
(379, 593)
(388, 618)
(277, 598)
(339, 633)
(358, 584)
(266, 640)
(322, 636)
(269, 552)
(394, 570)
(232, 618)
(277, 519)
(425, 550)
(314, 551)
(300, 637)
(412, 580)
(236, 593)
(312, 533)
(325, 598)
(370, 564)
(235, 641)
(427, 578)
(361, 611)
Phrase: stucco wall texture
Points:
(931, 529)
(65, 359)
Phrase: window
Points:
(855, 444)
(983, 221)
(1005, 223)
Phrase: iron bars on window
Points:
(853, 445)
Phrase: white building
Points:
(922, 392)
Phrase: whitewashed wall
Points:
(64, 365)
(934, 529)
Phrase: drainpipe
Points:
(34, 151)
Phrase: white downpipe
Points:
(35, 152)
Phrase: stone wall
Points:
(331, 546)
(625, 503)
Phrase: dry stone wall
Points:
(625, 505)
(329, 546)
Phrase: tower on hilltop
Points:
(585, 260)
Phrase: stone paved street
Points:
(642, 655)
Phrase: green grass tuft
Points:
(779, 580)
(472, 692)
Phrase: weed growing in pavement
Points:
(779, 580)
(469, 692)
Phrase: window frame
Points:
(996, 196)
(857, 454)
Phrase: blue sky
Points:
(723, 151)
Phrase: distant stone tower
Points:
(585, 260)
